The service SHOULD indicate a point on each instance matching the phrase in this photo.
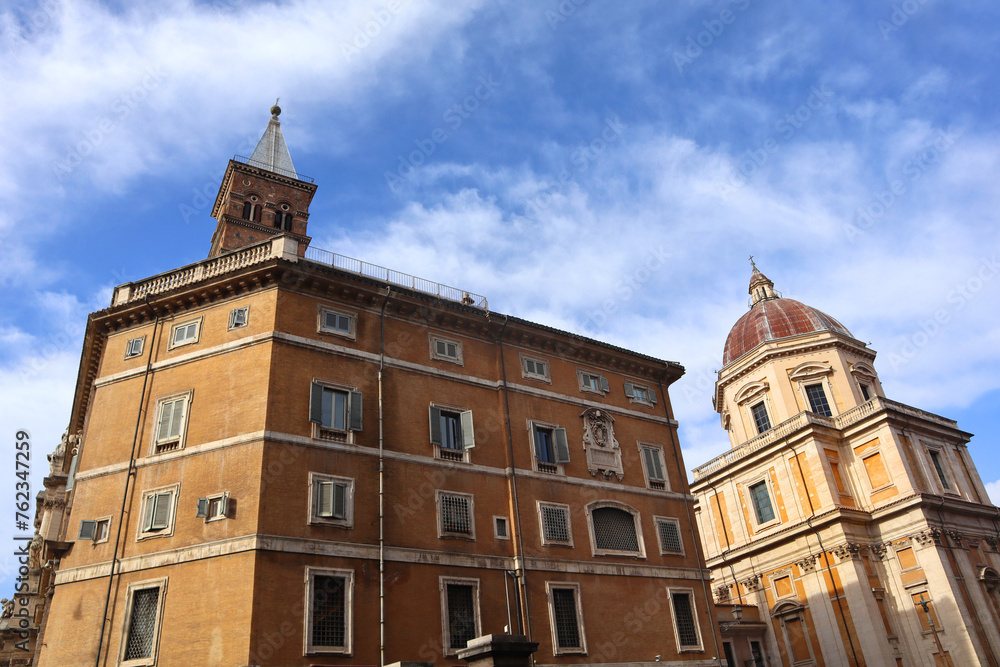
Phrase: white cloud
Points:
(993, 488)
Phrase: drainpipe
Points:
(128, 481)
(694, 536)
(381, 490)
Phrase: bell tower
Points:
(262, 196)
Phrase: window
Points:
(185, 334)
(936, 460)
(283, 221)
(500, 530)
(551, 447)
(143, 612)
(452, 431)
(686, 629)
(337, 322)
(760, 418)
(460, 612)
(238, 317)
(554, 521)
(331, 500)
(329, 595)
(652, 464)
(213, 508)
(336, 409)
(817, 400)
(668, 531)
(251, 209)
(96, 531)
(157, 518)
(565, 618)
(640, 394)
(615, 530)
(133, 348)
(865, 391)
(444, 349)
(455, 515)
(761, 500)
(171, 422)
(593, 382)
(534, 368)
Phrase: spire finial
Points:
(276, 110)
(752, 263)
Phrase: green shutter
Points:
(354, 409)
(468, 431)
(202, 511)
(629, 390)
(651, 393)
(435, 417)
(87, 530)
(316, 403)
(605, 387)
(161, 511)
(339, 501)
(561, 445)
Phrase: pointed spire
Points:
(761, 287)
(271, 152)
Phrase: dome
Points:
(772, 317)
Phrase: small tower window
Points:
(247, 210)
(283, 221)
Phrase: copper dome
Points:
(774, 318)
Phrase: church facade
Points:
(844, 527)
(283, 456)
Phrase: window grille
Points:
(670, 536)
(555, 523)
(455, 515)
(817, 400)
(614, 530)
(329, 611)
(461, 615)
(760, 418)
(687, 633)
(500, 526)
(564, 608)
(142, 624)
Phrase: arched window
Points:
(283, 221)
(278, 215)
(615, 530)
(247, 210)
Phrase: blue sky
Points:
(607, 170)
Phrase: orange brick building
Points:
(849, 529)
(288, 457)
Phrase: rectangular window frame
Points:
(775, 519)
(550, 586)
(545, 541)
(433, 339)
(545, 376)
(142, 533)
(671, 592)
(466, 432)
(193, 340)
(870, 453)
(307, 645)
(214, 507)
(353, 411)
(943, 475)
(130, 591)
(657, 520)
(640, 538)
(640, 394)
(163, 445)
(448, 534)
(239, 318)
(314, 518)
(592, 382)
(321, 326)
(560, 454)
(753, 417)
(651, 482)
(134, 347)
(443, 583)
(497, 520)
(821, 385)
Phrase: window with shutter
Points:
(567, 622)
(171, 423)
(555, 524)
(443, 349)
(652, 460)
(615, 532)
(157, 518)
(535, 369)
(337, 322)
(329, 617)
(456, 515)
(336, 410)
(332, 501)
(87, 530)
(134, 347)
(103, 530)
(185, 334)
(238, 317)
(668, 530)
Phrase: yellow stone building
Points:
(844, 527)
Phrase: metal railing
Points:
(393, 277)
(284, 172)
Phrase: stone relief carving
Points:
(603, 453)
(751, 583)
(927, 537)
(850, 550)
(807, 564)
